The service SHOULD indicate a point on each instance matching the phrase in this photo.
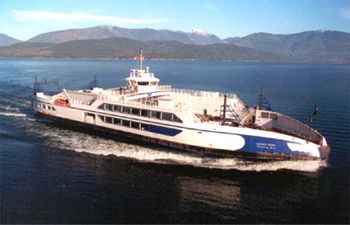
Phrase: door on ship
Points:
(89, 118)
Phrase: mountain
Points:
(101, 41)
(6, 40)
(104, 32)
(127, 48)
(310, 46)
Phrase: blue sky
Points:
(225, 18)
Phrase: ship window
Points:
(156, 114)
(102, 118)
(177, 119)
(135, 111)
(126, 123)
(44, 106)
(167, 116)
(126, 110)
(144, 126)
(117, 108)
(49, 107)
(264, 115)
(116, 121)
(135, 125)
(143, 83)
(109, 107)
(154, 83)
(273, 116)
(102, 106)
(108, 119)
(144, 113)
(53, 108)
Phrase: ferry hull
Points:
(255, 148)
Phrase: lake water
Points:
(50, 174)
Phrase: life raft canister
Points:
(62, 102)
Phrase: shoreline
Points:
(162, 59)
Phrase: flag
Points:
(314, 114)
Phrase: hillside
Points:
(6, 40)
(114, 42)
(311, 46)
(127, 48)
(104, 32)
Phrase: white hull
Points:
(195, 136)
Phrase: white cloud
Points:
(346, 13)
(59, 17)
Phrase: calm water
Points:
(50, 174)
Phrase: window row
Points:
(141, 112)
(125, 123)
(267, 115)
(43, 106)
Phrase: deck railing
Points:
(292, 126)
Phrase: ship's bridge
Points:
(142, 81)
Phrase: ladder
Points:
(228, 109)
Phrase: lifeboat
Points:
(62, 102)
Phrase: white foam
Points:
(80, 142)
(9, 108)
(12, 114)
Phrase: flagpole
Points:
(141, 59)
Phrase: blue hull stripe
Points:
(163, 130)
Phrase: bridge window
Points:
(143, 83)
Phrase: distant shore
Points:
(166, 59)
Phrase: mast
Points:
(224, 111)
(141, 59)
(261, 98)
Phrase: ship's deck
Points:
(85, 98)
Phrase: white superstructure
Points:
(198, 121)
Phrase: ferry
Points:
(201, 122)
